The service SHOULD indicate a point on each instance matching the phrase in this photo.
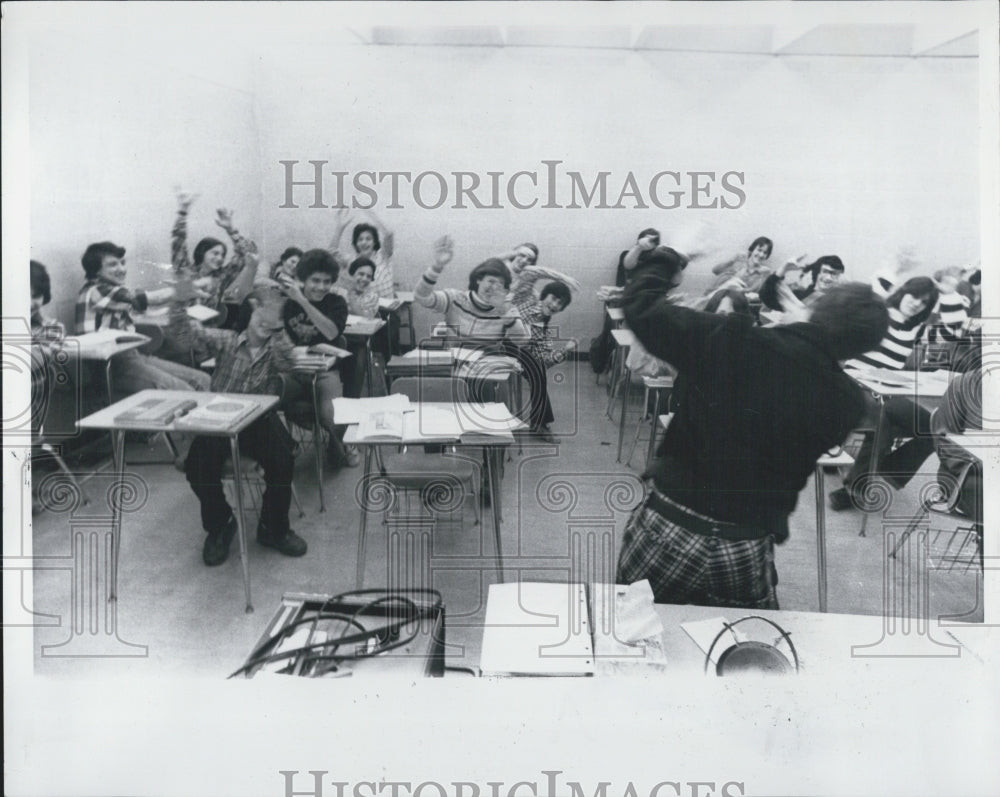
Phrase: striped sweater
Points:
(902, 337)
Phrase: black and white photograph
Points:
(493, 399)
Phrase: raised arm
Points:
(188, 335)
(327, 327)
(644, 244)
(425, 292)
(673, 333)
(238, 279)
(178, 235)
(343, 218)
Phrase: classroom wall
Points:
(114, 129)
(840, 155)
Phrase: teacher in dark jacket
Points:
(760, 407)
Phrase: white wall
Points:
(841, 155)
(113, 129)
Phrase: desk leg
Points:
(821, 536)
(625, 381)
(873, 462)
(118, 456)
(409, 325)
(370, 366)
(107, 381)
(493, 486)
(363, 528)
(653, 425)
(241, 528)
(612, 379)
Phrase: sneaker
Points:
(352, 458)
(216, 549)
(840, 500)
(289, 543)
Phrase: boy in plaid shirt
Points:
(105, 303)
(539, 353)
(248, 360)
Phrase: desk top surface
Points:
(890, 382)
(616, 313)
(105, 418)
(623, 337)
(104, 346)
(470, 416)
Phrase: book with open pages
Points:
(154, 412)
(223, 412)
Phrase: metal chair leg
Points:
(638, 425)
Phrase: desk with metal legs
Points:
(492, 445)
(105, 419)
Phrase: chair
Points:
(432, 477)
(302, 420)
(654, 385)
(40, 389)
(943, 499)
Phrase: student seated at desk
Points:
(910, 308)
(286, 263)
(105, 303)
(482, 311)
(248, 360)
(315, 314)
(747, 269)
(218, 282)
(539, 353)
(46, 334)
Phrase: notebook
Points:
(535, 628)
(348, 411)
(220, 413)
(154, 412)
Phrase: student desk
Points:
(620, 378)
(492, 445)
(105, 351)
(364, 329)
(495, 370)
(923, 387)
(617, 315)
(105, 419)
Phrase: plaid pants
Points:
(684, 567)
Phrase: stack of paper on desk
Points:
(537, 629)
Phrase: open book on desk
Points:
(390, 304)
(350, 411)
(154, 412)
(492, 418)
(220, 413)
(422, 423)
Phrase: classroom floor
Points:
(564, 507)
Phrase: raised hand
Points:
(224, 218)
(184, 198)
(443, 251)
